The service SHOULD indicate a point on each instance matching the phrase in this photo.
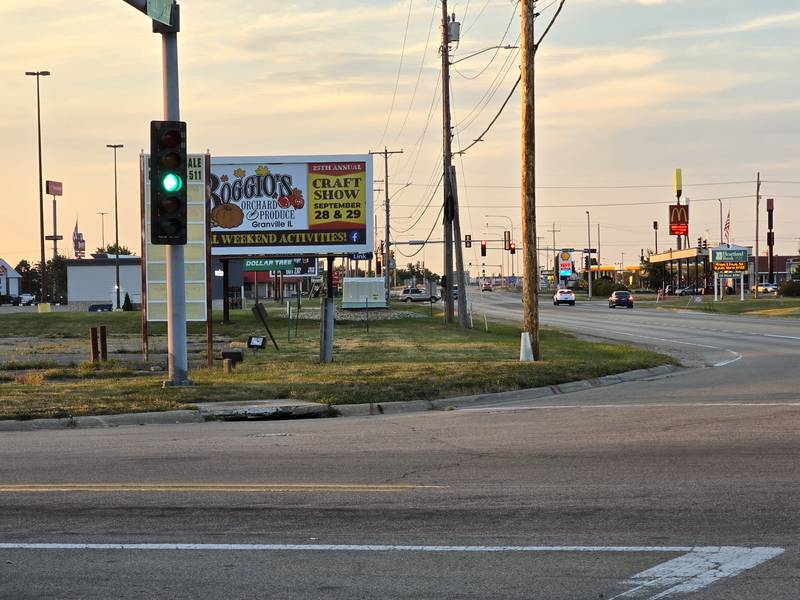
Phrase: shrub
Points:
(604, 286)
(127, 305)
(789, 288)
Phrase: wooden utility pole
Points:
(447, 210)
(387, 249)
(530, 326)
(755, 281)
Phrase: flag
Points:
(78, 243)
(75, 236)
(728, 228)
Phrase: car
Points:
(690, 291)
(27, 299)
(101, 307)
(564, 296)
(620, 298)
(486, 286)
(765, 288)
(413, 294)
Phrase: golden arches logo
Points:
(678, 213)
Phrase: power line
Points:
(496, 52)
(606, 187)
(606, 204)
(399, 71)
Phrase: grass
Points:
(408, 359)
(762, 307)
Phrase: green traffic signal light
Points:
(171, 182)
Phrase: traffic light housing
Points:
(483, 247)
(512, 247)
(378, 266)
(467, 241)
(168, 183)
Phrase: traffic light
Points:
(506, 240)
(467, 241)
(381, 247)
(168, 182)
(378, 265)
(391, 254)
(700, 242)
(512, 247)
(705, 244)
(483, 247)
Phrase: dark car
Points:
(620, 299)
(101, 307)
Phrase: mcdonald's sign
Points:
(678, 219)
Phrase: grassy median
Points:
(765, 306)
(407, 359)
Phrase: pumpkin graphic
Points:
(296, 199)
(227, 216)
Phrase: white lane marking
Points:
(695, 569)
(736, 355)
(784, 337)
(631, 405)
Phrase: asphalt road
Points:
(681, 487)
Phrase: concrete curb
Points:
(291, 410)
(103, 421)
(352, 410)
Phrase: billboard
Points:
(291, 206)
(565, 263)
(678, 219)
(155, 256)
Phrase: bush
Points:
(789, 288)
(604, 286)
(127, 305)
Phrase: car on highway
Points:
(413, 294)
(101, 307)
(26, 300)
(620, 298)
(486, 286)
(564, 296)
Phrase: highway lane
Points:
(735, 359)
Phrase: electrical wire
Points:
(430, 233)
(399, 71)
(430, 200)
(606, 187)
(496, 52)
(494, 120)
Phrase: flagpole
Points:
(720, 220)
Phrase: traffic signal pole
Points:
(176, 279)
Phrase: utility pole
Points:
(447, 210)
(553, 250)
(43, 264)
(755, 259)
(387, 252)
(589, 259)
(598, 244)
(116, 147)
(529, 343)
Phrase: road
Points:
(680, 487)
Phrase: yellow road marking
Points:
(48, 488)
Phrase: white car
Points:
(564, 296)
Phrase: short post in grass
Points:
(366, 311)
(103, 344)
(94, 352)
(288, 321)
(485, 323)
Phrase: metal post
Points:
(226, 302)
(755, 260)
(176, 280)
(103, 229)
(720, 221)
(116, 221)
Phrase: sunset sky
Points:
(627, 90)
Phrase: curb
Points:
(293, 411)
(353, 410)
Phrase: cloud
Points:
(768, 22)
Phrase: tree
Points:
(127, 305)
(112, 250)
(29, 284)
(655, 274)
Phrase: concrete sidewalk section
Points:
(293, 409)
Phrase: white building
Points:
(9, 280)
(93, 281)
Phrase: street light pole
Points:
(116, 220)
(38, 74)
(103, 229)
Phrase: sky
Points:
(626, 91)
